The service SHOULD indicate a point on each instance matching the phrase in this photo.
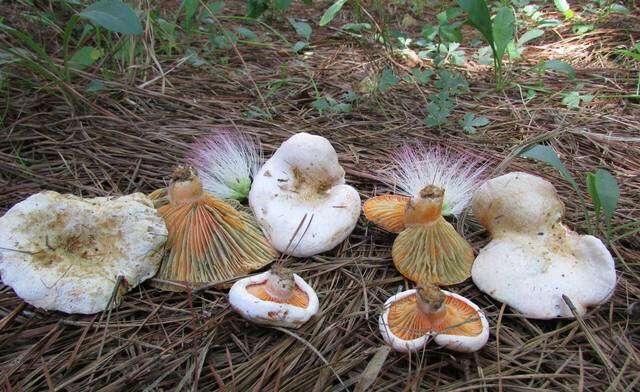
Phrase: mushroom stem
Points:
(185, 186)
(426, 207)
(430, 300)
(280, 283)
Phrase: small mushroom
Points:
(533, 259)
(428, 248)
(63, 252)
(300, 198)
(277, 297)
(225, 162)
(209, 240)
(412, 317)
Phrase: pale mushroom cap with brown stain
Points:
(275, 297)
(63, 252)
(412, 317)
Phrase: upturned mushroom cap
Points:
(533, 259)
(412, 317)
(300, 198)
(62, 252)
(277, 297)
(209, 240)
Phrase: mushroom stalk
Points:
(426, 207)
(280, 284)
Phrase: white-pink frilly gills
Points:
(412, 317)
(63, 252)
(533, 259)
(277, 297)
(302, 179)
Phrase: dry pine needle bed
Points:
(130, 135)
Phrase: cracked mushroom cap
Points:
(301, 200)
(209, 240)
(62, 252)
(414, 316)
(276, 297)
(533, 259)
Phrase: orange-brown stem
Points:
(280, 283)
(430, 300)
(426, 207)
(185, 187)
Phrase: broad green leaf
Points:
(593, 193)
(356, 27)
(546, 154)
(189, 7)
(298, 46)
(422, 77)
(255, 8)
(429, 32)
(114, 16)
(331, 12)
(478, 14)
(470, 122)
(451, 82)
(560, 66)
(387, 80)
(618, 8)
(302, 28)
(608, 192)
(246, 33)
(503, 29)
(84, 57)
(94, 86)
(282, 5)
(564, 7)
(530, 36)
(450, 33)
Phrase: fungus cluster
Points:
(62, 252)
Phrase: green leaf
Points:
(282, 5)
(114, 16)
(246, 33)
(302, 28)
(387, 80)
(470, 122)
(331, 12)
(608, 192)
(255, 8)
(546, 154)
(451, 83)
(450, 33)
(503, 30)
(356, 27)
(190, 7)
(478, 14)
(95, 86)
(593, 193)
(563, 6)
(559, 66)
(298, 46)
(429, 32)
(84, 57)
(618, 8)
(530, 36)
(422, 77)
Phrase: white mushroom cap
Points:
(455, 342)
(533, 259)
(62, 252)
(263, 310)
(304, 178)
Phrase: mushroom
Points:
(209, 240)
(277, 297)
(303, 179)
(63, 252)
(226, 162)
(428, 249)
(533, 260)
(411, 317)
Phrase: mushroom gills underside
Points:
(298, 298)
(387, 211)
(433, 253)
(209, 241)
(407, 322)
